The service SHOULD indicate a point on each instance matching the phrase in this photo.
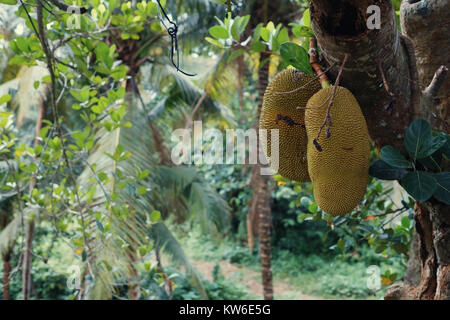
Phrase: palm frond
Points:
(173, 248)
(9, 234)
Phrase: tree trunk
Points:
(29, 229)
(6, 273)
(383, 75)
(260, 208)
(26, 271)
(134, 289)
(427, 24)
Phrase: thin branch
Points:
(50, 58)
(327, 120)
(314, 61)
(67, 8)
(306, 84)
(385, 84)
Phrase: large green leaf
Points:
(393, 157)
(420, 185)
(302, 31)
(420, 142)
(381, 170)
(8, 1)
(432, 162)
(442, 192)
(446, 147)
(296, 56)
(306, 19)
(218, 32)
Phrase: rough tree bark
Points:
(261, 195)
(29, 228)
(6, 257)
(382, 74)
(6, 272)
(259, 220)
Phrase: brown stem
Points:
(314, 61)
(327, 120)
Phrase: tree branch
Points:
(67, 8)
(438, 80)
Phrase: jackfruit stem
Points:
(314, 62)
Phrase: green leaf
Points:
(141, 190)
(258, 46)
(381, 170)
(296, 56)
(238, 26)
(102, 54)
(420, 185)
(306, 19)
(405, 222)
(5, 98)
(442, 192)
(283, 36)
(432, 162)
(257, 32)
(305, 201)
(235, 54)
(400, 248)
(8, 1)
(214, 42)
(218, 32)
(99, 225)
(265, 34)
(341, 244)
(155, 216)
(419, 140)
(393, 157)
(313, 207)
(243, 21)
(446, 147)
(302, 31)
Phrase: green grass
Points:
(339, 277)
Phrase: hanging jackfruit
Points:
(284, 109)
(340, 171)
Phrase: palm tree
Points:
(188, 195)
(260, 217)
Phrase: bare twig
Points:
(327, 120)
(385, 84)
(67, 8)
(306, 84)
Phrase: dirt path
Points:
(251, 280)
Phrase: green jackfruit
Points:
(340, 171)
(284, 109)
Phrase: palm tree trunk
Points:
(27, 260)
(260, 209)
(6, 273)
(29, 231)
(134, 291)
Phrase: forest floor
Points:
(251, 280)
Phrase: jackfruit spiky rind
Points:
(340, 172)
(284, 97)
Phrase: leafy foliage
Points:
(421, 180)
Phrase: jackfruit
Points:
(339, 172)
(284, 109)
